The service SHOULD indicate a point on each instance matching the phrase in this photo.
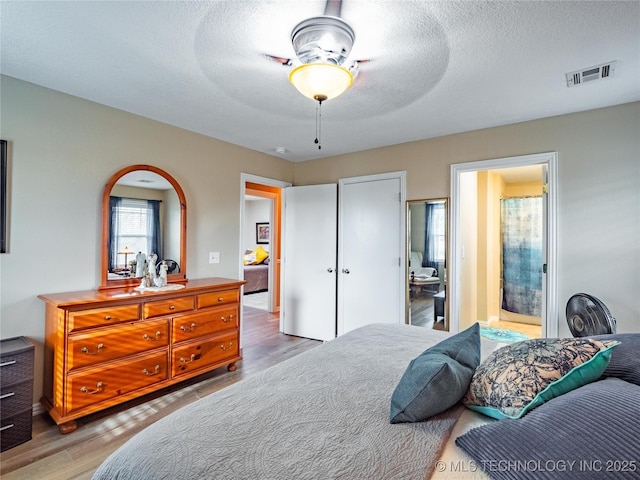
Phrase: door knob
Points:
(346, 270)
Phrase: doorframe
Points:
(271, 182)
(550, 306)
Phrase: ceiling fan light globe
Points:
(321, 80)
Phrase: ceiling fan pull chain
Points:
(318, 140)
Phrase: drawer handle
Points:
(6, 427)
(172, 307)
(91, 392)
(193, 358)
(107, 317)
(225, 348)
(6, 364)
(191, 328)
(86, 350)
(152, 339)
(155, 372)
(7, 395)
(221, 299)
(227, 319)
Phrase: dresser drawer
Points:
(15, 430)
(168, 307)
(116, 379)
(115, 342)
(16, 398)
(201, 354)
(205, 323)
(16, 367)
(101, 317)
(218, 298)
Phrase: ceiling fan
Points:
(322, 46)
(325, 41)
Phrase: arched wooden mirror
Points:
(144, 211)
(427, 253)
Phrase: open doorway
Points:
(258, 251)
(491, 234)
(260, 243)
(271, 189)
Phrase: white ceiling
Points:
(437, 67)
(145, 179)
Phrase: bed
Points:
(256, 270)
(257, 278)
(324, 414)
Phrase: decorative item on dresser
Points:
(104, 347)
(16, 391)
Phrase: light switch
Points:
(214, 257)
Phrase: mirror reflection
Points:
(144, 218)
(144, 225)
(427, 263)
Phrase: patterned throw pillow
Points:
(250, 258)
(255, 257)
(523, 375)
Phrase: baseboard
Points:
(37, 409)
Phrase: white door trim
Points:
(550, 159)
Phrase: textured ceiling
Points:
(436, 67)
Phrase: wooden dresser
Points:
(104, 347)
(16, 391)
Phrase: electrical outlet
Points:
(214, 257)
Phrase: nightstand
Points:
(16, 391)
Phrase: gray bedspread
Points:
(323, 414)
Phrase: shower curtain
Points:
(521, 225)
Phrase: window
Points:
(438, 231)
(134, 225)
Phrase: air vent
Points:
(590, 74)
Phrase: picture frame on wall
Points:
(3, 196)
(262, 233)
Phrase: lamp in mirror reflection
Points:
(126, 251)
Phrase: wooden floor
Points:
(52, 456)
(422, 312)
(422, 316)
(531, 331)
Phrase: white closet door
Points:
(371, 251)
(308, 304)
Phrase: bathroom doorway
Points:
(478, 248)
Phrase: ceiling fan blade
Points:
(285, 62)
(333, 8)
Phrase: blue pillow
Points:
(625, 359)
(437, 379)
(521, 376)
(589, 433)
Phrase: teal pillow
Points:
(521, 376)
(437, 379)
